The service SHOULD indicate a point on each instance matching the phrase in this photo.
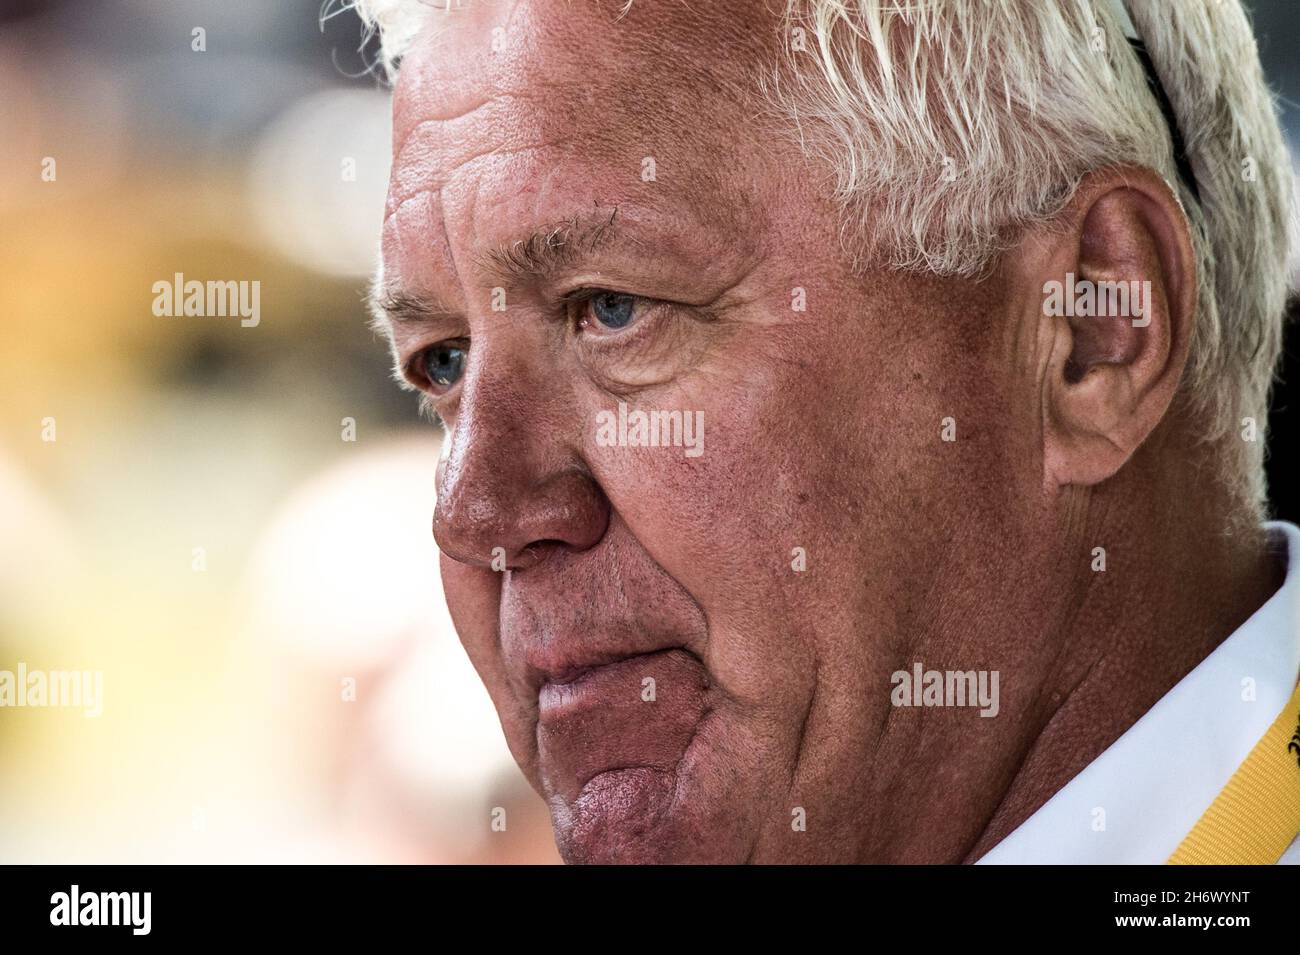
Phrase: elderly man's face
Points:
(690, 652)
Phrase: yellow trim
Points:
(1257, 815)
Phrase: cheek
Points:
(725, 523)
(790, 527)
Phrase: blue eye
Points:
(613, 309)
(444, 364)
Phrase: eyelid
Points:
(586, 293)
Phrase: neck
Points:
(1173, 590)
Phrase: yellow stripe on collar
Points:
(1257, 815)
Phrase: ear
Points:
(1111, 285)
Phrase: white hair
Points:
(952, 124)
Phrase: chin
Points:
(638, 816)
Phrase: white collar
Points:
(1151, 785)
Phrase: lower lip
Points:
(638, 712)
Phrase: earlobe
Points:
(1116, 281)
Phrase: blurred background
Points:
(181, 507)
(281, 681)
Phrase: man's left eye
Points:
(613, 310)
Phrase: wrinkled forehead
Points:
(569, 100)
(660, 50)
(611, 75)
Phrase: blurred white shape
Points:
(436, 727)
(347, 573)
(318, 177)
(346, 580)
(39, 563)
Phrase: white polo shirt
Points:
(1136, 801)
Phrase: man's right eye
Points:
(443, 364)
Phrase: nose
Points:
(512, 485)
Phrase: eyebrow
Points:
(543, 253)
(390, 307)
(550, 248)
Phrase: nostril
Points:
(536, 552)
